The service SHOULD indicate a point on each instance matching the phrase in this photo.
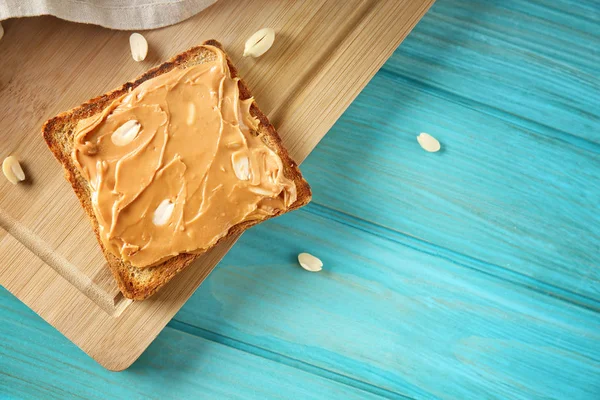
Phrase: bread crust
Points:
(140, 283)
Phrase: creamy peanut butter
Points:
(176, 162)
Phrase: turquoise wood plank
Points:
(523, 61)
(37, 362)
(517, 185)
(523, 203)
(393, 314)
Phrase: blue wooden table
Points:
(469, 273)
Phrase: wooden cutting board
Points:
(324, 54)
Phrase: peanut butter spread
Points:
(176, 162)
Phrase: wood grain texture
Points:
(553, 43)
(304, 82)
(467, 274)
(397, 315)
(517, 185)
(165, 369)
(522, 204)
(483, 237)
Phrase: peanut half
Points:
(259, 43)
(139, 47)
(310, 262)
(125, 134)
(12, 170)
(428, 142)
(241, 165)
(163, 213)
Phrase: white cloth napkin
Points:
(115, 14)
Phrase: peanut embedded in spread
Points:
(177, 162)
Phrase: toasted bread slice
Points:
(140, 283)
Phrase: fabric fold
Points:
(113, 14)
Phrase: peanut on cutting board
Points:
(139, 47)
(12, 170)
(259, 42)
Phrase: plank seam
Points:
(457, 258)
(283, 359)
(522, 122)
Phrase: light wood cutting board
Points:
(324, 54)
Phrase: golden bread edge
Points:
(140, 283)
